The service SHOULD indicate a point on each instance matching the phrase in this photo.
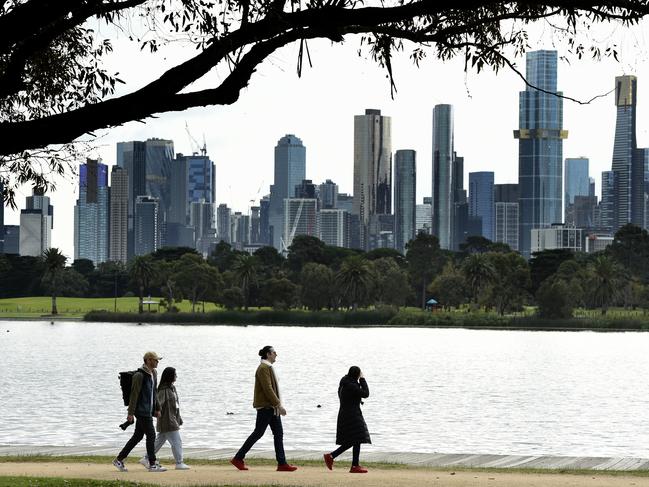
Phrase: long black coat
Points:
(351, 427)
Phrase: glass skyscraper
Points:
(576, 180)
(290, 171)
(405, 204)
(481, 200)
(540, 148)
(91, 213)
(443, 190)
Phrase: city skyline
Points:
(242, 150)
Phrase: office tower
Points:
(381, 232)
(91, 213)
(576, 182)
(223, 223)
(264, 227)
(640, 160)
(481, 200)
(581, 213)
(290, 171)
(2, 219)
(591, 186)
(443, 188)
(627, 163)
(201, 218)
(607, 205)
(423, 218)
(36, 223)
(345, 202)
(328, 194)
(12, 239)
(405, 198)
(300, 218)
(149, 167)
(334, 227)
(255, 225)
(306, 189)
(506, 214)
(372, 169)
(239, 230)
(147, 225)
(118, 234)
(178, 196)
(557, 237)
(540, 148)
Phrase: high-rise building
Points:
(300, 218)
(36, 223)
(591, 186)
(405, 198)
(91, 213)
(149, 166)
(576, 182)
(581, 213)
(290, 171)
(2, 219)
(223, 223)
(255, 224)
(557, 237)
(201, 218)
(627, 163)
(443, 189)
(328, 194)
(372, 169)
(345, 202)
(12, 239)
(306, 189)
(423, 218)
(506, 214)
(146, 225)
(118, 235)
(481, 200)
(239, 230)
(606, 219)
(335, 227)
(540, 148)
(264, 227)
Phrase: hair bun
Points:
(261, 352)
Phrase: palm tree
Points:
(245, 270)
(355, 279)
(54, 262)
(606, 277)
(478, 271)
(142, 272)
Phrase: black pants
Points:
(266, 417)
(143, 426)
(356, 452)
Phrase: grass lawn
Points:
(34, 307)
(59, 482)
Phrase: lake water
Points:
(432, 390)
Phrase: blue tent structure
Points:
(432, 304)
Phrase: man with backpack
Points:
(143, 405)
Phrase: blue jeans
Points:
(265, 417)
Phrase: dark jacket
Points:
(143, 400)
(169, 419)
(351, 427)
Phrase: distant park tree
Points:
(425, 260)
(355, 280)
(54, 262)
(449, 287)
(55, 87)
(141, 271)
(478, 271)
(553, 300)
(317, 282)
(607, 281)
(545, 263)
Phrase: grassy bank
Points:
(61, 482)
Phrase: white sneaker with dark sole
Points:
(157, 468)
(182, 466)
(144, 461)
(119, 465)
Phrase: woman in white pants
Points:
(169, 421)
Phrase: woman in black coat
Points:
(351, 429)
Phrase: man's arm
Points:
(136, 387)
(267, 386)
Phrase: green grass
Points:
(37, 306)
(61, 482)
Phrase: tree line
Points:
(315, 276)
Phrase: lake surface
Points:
(432, 390)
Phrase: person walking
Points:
(170, 421)
(269, 409)
(351, 429)
(143, 405)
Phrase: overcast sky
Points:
(319, 108)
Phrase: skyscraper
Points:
(118, 215)
(334, 227)
(328, 194)
(606, 219)
(264, 225)
(223, 223)
(443, 188)
(576, 181)
(506, 214)
(146, 225)
(405, 188)
(36, 223)
(372, 169)
(540, 148)
(481, 200)
(91, 213)
(290, 171)
(300, 218)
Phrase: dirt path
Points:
(315, 476)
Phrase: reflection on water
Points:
(504, 392)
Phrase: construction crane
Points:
(291, 235)
(196, 148)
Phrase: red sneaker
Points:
(240, 464)
(357, 469)
(329, 461)
(285, 467)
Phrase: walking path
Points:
(434, 460)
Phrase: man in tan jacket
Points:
(269, 411)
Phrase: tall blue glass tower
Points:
(481, 200)
(443, 187)
(540, 148)
(91, 222)
(405, 187)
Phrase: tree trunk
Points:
(140, 308)
(423, 294)
(54, 310)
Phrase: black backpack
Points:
(125, 382)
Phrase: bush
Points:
(554, 300)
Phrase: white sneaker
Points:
(119, 465)
(145, 462)
(157, 468)
(182, 466)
